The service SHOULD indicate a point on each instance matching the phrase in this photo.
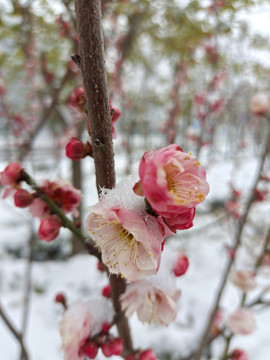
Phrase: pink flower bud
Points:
(106, 292)
(238, 354)
(11, 175)
(89, 349)
(105, 327)
(100, 266)
(241, 321)
(259, 104)
(181, 265)
(49, 228)
(78, 100)
(61, 299)
(112, 347)
(22, 198)
(76, 150)
(148, 355)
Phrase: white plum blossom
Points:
(75, 328)
(243, 279)
(130, 240)
(241, 321)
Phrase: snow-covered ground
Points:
(77, 277)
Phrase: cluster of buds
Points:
(108, 344)
(62, 193)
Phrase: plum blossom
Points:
(154, 298)
(62, 193)
(129, 243)
(75, 328)
(241, 321)
(11, 176)
(150, 303)
(243, 279)
(173, 182)
(259, 104)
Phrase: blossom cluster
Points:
(129, 230)
(61, 192)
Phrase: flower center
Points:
(182, 185)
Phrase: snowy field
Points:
(77, 277)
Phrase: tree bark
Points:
(88, 14)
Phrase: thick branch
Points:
(88, 15)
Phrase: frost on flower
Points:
(80, 322)
(75, 329)
(129, 239)
(153, 298)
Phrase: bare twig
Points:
(15, 332)
(237, 243)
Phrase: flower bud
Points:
(106, 292)
(61, 299)
(112, 347)
(148, 355)
(89, 349)
(76, 150)
(22, 198)
(238, 354)
(181, 265)
(49, 228)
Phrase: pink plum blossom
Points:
(75, 328)
(259, 104)
(11, 174)
(243, 279)
(173, 182)
(241, 321)
(151, 303)
(130, 244)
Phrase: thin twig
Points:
(15, 332)
(237, 243)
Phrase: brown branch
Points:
(237, 243)
(15, 332)
(88, 14)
